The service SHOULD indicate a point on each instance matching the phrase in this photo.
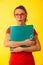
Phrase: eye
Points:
(16, 14)
(22, 14)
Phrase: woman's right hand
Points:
(29, 42)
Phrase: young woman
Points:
(22, 56)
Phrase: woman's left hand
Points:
(18, 49)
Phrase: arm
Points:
(35, 47)
(8, 43)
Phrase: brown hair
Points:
(21, 7)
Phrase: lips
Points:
(19, 20)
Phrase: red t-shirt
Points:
(21, 58)
(8, 31)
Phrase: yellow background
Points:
(35, 17)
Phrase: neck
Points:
(21, 23)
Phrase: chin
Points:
(20, 23)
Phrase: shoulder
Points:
(8, 30)
(35, 33)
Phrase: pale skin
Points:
(33, 45)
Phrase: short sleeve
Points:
(35, 33)
(8, 31)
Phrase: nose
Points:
(20, 16)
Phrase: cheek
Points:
(16, 17)
(23, 17)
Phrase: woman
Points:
(22, 56)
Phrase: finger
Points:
(33, 42)
(30, 39)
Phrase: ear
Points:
(25, 15)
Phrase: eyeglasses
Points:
(22, 14)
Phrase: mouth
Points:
(20, 20)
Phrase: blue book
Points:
(20, 33)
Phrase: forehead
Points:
(19, 11)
